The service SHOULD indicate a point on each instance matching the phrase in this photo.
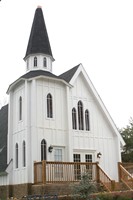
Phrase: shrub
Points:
(84, 189)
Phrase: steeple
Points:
(39, 54)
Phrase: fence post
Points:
(112, 185)
(44, 171)
(97, 172)
(35, 173)
(119, 171)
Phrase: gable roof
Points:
(81, 69)
(67, 76)
(38, 40)
(3, 137)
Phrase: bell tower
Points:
(38, 55)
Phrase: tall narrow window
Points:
(16, 155)
(74, 119)
(80, 116)
(20, 108)
(35, 61)
(44, 62)
(77, 168)
(49, 106)
(43, 149)
(24, 154)
(87, 121)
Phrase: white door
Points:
(58, 157)
(79, 170)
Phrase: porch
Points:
(46, 172)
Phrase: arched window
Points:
(74, 119)
(44, 62)
(49, 106)
(87, 120)
(24, 154)
(16, 155)
(35, 61)
(20, 108)
(43, 149)
(80, 116)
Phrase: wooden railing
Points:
(58, 172)
(124, 175)
(105, 180)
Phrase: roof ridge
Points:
(67, 76)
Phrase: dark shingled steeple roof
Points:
(38, 41)
(3, 137)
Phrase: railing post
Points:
(112, 185)
(44, 171)
(35, 173)
(119, 171)
(97, 172)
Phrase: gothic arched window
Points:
(80, 116)
(74, 119)
(16, 155)
(20, 108)
(44, 62)
(87, 120)
(43, 149)
(24, 154)
(35, 61)
(49, 106)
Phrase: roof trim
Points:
(98, 98)
(26, 77)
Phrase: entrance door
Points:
(58, 157)
(89, 168)
(83, 168)
(77, 167)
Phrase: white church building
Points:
(53, 118)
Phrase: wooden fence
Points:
(62, 172)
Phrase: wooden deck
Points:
(67, 172)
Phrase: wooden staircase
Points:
(125, 178)
(126, 175)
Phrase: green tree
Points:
(127, 134)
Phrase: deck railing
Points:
(125, 174)
(59, 172)
(105, 180)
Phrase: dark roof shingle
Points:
(38, 40)
(67, 76)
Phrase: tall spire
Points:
(38, 41)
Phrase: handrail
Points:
(125, 176)
(106, 180)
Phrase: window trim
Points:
(16, 155)
(80, 115)
(74, 119)
(87, 120)
(20, 108)
(24, 153)
(43, 149)
(44, 62)
(35, 61)
(49, 106)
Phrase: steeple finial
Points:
(38, 41)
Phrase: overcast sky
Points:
(96, 33)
